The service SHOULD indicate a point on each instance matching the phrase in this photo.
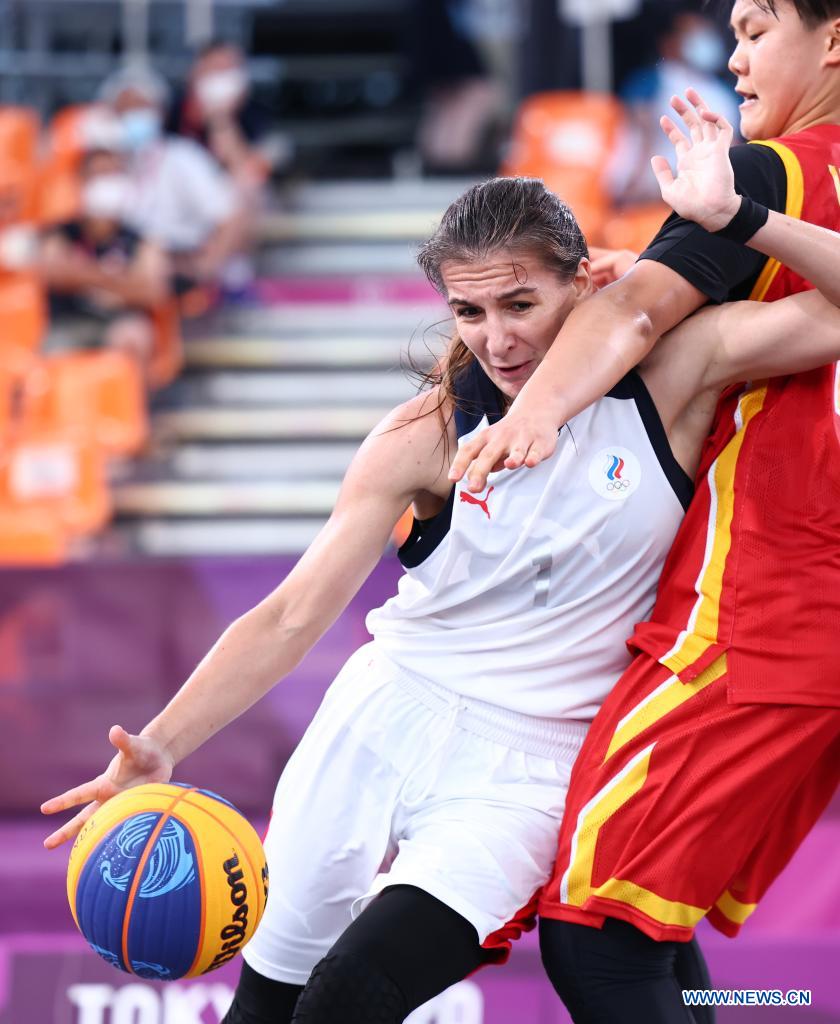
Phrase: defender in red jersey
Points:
(719, 747)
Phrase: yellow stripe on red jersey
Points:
(755, 568)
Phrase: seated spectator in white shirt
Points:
(180, 198)
(217, 110)
(103, 279)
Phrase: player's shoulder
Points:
(412, 441)
(758, 166)
(422, 420)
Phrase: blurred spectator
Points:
(218, 111)
(691, 53)
(180, 197)
(103, 279)
(462, 103)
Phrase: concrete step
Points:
(332, 320)
(169, 538)
(226, 498)
(410, 194)
(266, 388)
(356, 226)
(350, 352)
(327, 259)
(256, 462)
(314, 423)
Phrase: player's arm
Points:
(735, 342)
(602, 339)
(771, 339)
(399, 459)
(612, 331)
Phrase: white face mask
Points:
(220, 90)
(703, 50)
(140, 127)
(106, 196)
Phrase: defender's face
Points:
(508, 309)
(777, 61)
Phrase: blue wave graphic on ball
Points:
(170, 867)
(151, 971)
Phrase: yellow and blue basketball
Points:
(167, 881)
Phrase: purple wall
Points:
(85, 646)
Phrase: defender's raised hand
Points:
(703, 189)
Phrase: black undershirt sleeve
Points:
(721, 269)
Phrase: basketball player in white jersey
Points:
(420, 812)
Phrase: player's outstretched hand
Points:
(704, 187)
(518, 439)
(139, 759)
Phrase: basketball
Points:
(167, 881)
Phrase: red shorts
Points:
(683, 806)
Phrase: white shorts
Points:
(398, 781)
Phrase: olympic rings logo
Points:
(617, 485)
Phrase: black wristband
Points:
(750, 217)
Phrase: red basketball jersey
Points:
(755, 568)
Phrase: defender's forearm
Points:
(810, 251)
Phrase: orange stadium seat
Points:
(634, 227)
(50, 474)
(31, 536)
(167, 356)
(23, 314)
(19, 138)
(19, 135)
(59, 195)
(566, 139)
(22, 298)
(97, 396)
(72, 130)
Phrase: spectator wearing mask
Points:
(180, 197)
(691, 52)
(104, 279)
(218, 111)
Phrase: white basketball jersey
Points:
(525, 594)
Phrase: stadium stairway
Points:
(251, 442)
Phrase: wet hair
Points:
(509, 215)
(505, 214)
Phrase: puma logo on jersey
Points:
(472, 499)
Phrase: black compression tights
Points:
(404, 949)
(617, 973)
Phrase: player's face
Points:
(509, 309)
(778, 62)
